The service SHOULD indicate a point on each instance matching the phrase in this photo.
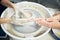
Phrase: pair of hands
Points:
(49, 22)
(52, 22)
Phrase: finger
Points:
(49, 19)
(43, 22)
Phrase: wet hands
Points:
(49, 22)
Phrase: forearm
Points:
(7, 3)
(4, 20)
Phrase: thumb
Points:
(49, 19)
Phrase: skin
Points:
(52, 22)
(5, 20)
(6, 3)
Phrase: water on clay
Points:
(28, 28)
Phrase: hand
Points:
(41, 21)
(52, 23)
(21, 21)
